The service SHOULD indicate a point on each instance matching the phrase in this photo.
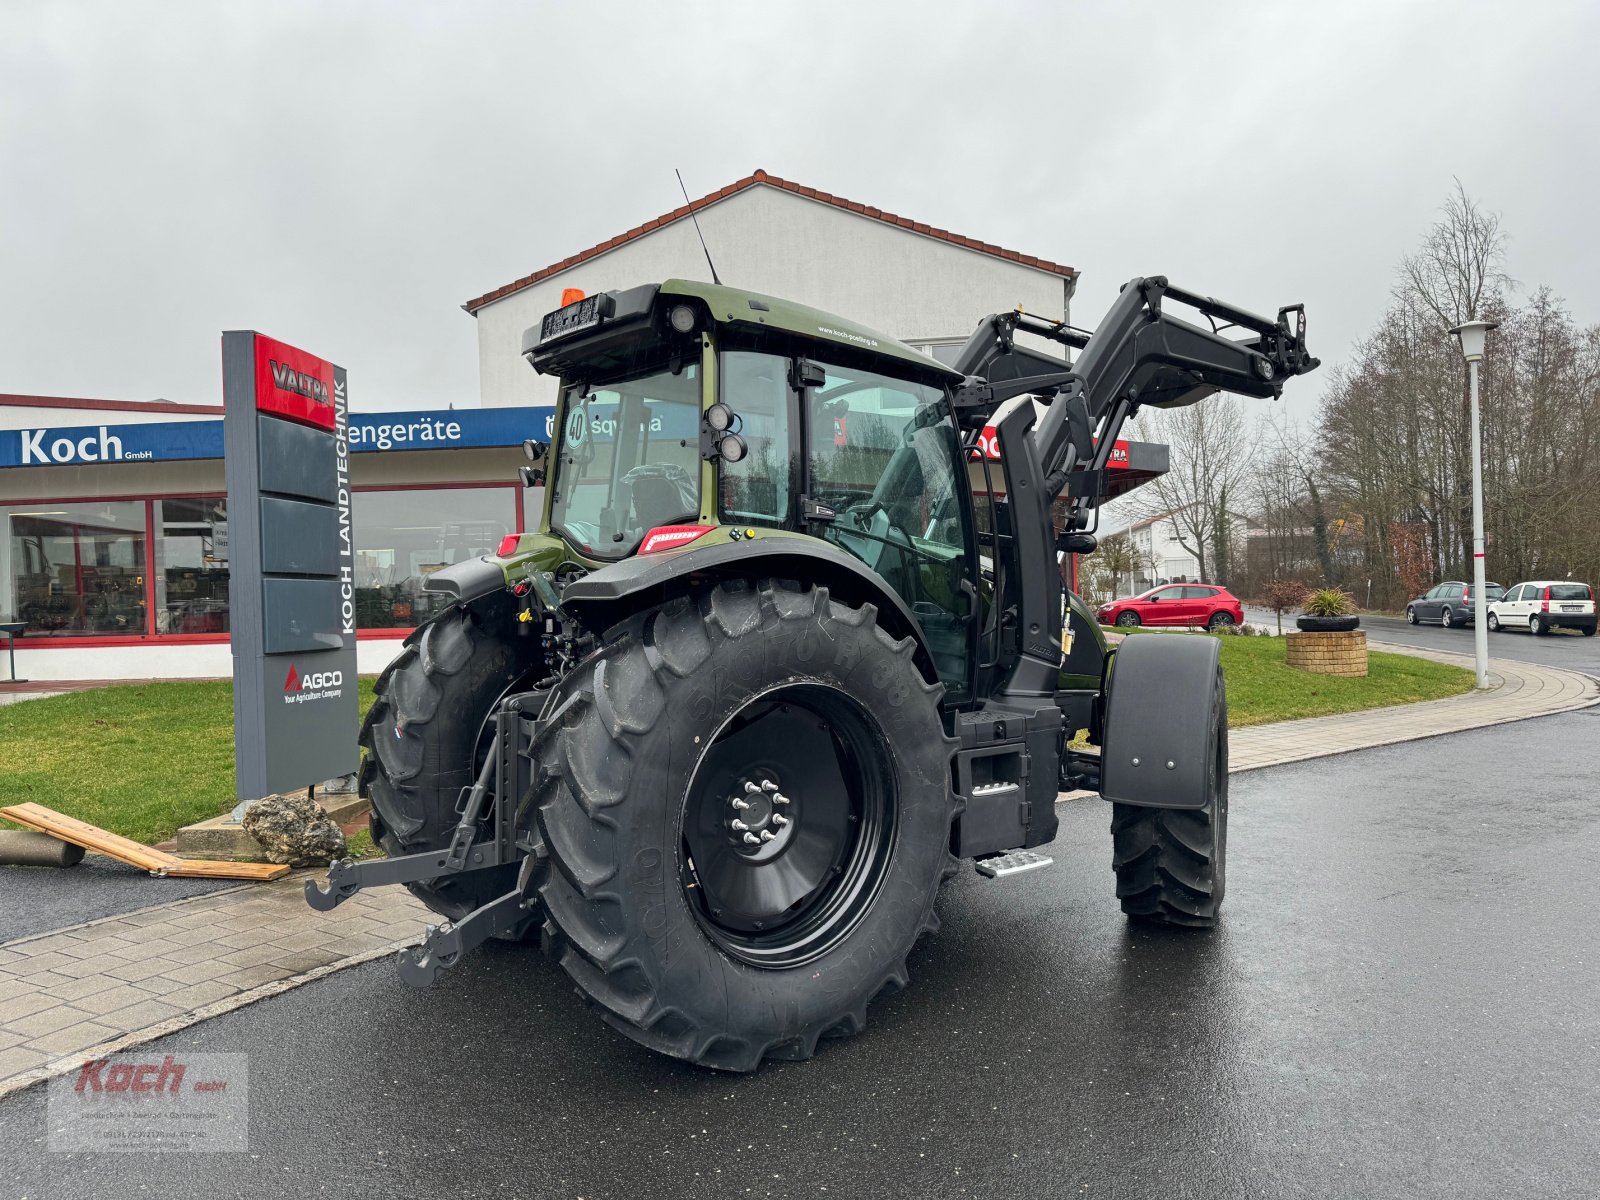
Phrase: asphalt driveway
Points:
(1400, 1002)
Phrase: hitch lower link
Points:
(469, 850)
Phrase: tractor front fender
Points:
(1161, 702)
(611, 594)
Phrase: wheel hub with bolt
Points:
(760, 818)
(787, 825)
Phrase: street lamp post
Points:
(1471, 335)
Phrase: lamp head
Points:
(1471, 335)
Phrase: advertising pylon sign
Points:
(291, 565)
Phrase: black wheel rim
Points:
(788, 825)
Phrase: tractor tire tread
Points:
(602, 718)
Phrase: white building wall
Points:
(904, 284)
(154, 661)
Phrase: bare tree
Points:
(1105, 571)
(1457, 269)
(1211, 450)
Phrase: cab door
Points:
(884, 457)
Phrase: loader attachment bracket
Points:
(484, 837)
(444, 944)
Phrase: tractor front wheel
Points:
(1171, 864)
(745, 805)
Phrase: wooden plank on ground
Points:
(90, 837)
(206, 868)
(158, 862)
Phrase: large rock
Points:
(294, 829)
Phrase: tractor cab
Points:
(692, 415)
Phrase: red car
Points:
(1176, 604)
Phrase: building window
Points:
(944, 350)
(75, 569)
(404, 536)
(192, 565)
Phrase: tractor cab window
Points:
(629, 460)
(883, 454)
(755, 490)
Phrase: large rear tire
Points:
(692, 930)
(426, 736)
(1171, 864)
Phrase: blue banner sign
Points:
(172, 441)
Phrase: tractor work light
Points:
(732, 448)
(534, 449)
(719, 417)
(682, 318)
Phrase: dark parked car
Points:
(1450, 603)
(1176, 604)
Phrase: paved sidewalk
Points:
(1519, 690)
(117, 982)
(124, 980)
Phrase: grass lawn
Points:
(139, 760)
(145, 759)
(1262, 687)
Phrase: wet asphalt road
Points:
(1565, 649)
(1403, 1000)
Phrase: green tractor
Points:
(716, 732)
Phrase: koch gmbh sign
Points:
(291, 583)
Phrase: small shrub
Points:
(1281, 594)
(1328, 602)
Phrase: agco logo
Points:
(312, 681)
(289, 380)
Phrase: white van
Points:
(1541, 605)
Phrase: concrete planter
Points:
(1328, 653)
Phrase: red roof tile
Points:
(8, 400)
(761, 177)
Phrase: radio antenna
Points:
(696, 221)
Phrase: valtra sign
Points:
(293, 384)
(286, 435)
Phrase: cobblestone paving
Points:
(125, 979)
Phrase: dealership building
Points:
(113, 516)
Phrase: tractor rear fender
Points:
(466, 581)
(611, 594)
(1157, 746)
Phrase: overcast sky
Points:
(345, 175)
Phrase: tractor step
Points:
(1013, 862)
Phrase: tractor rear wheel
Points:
(745, 805)
(1171, 864)
(426, 736)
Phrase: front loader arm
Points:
(1140, 355)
